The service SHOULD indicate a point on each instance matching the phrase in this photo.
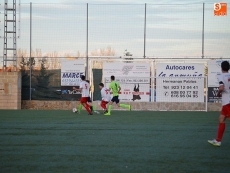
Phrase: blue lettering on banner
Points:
(72, 75)
(196, 74)
(70, 80)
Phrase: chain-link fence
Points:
(49, 33)
(140, 30)
(41, 77)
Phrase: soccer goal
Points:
(163, 93)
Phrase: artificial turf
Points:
(136, 142)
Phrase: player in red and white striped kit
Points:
(224, 92)
(105, 95)
(84, 89)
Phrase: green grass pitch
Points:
(136, 142)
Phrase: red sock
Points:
(87, 107)
(103, 105)
(220, 133)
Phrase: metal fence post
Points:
(145, 31)
(203, 33)
(87, 42)
(30, 47)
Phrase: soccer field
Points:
(135, 142)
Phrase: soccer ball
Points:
(75, 110)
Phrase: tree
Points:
(31, 63)
(25, 79)
(103, 52)
(25, 76)
(25, 65)
(54, 61)
(43, 78)
(24, 73)
(69, 56)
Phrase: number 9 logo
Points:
(217, 6)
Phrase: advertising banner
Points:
(71, 71)
(134, 79)
(214, 69)
(177, 82)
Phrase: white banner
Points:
(71, 71)
(120, 69)
(214, 69)
(179, 82)
(134, 79)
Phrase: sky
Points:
(173, 28)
